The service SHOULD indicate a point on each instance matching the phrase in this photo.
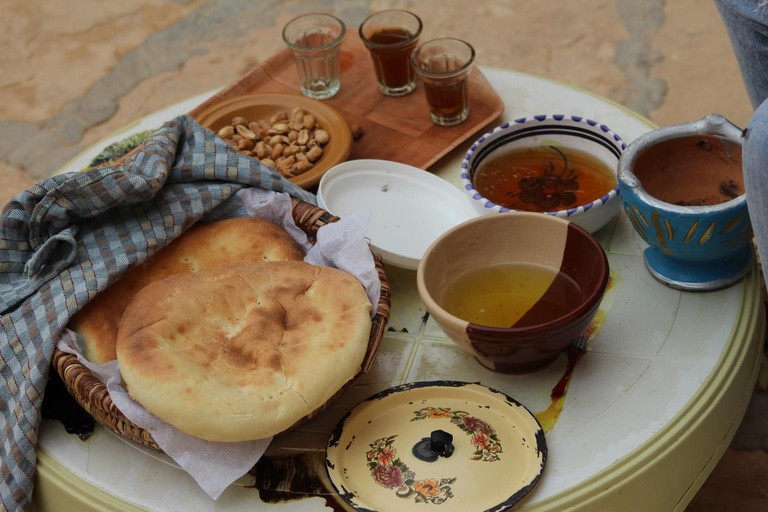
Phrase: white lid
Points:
(410, 207)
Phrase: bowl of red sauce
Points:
(559, 165)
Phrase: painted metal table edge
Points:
(709, 418)
(56, 488)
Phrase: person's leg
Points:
(747, 24)
(755, 163)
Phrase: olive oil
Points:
(504, 295)
(543, 178)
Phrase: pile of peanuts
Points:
(290, 145)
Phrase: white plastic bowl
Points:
(410, 207)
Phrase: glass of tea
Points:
(391, 36)
(315, 42)
(443, 66)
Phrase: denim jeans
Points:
(747, 25)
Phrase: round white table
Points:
(649, 411)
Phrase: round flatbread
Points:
(202, 247)
(243, 352)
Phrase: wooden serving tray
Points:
(396, 129)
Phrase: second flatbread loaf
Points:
(202, 247)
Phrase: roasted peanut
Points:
(245, 132)
(245, 145)
(309, 121)
(280, 128)
(261, 150)
(277, 151)
(239, 121)
(291, 150)
(315, 153)
(357, 131)
(268, 161)
(293, 135)
(279, 116)
(303, 137)
(302, 166)
(226, 132)
(322, 137)
(297, 119)
(285, 165)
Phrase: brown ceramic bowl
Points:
(538, 336)
(254, 107)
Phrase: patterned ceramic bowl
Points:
(683, 190)
(551, 190)
(553, 311)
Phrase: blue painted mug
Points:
(695, 247)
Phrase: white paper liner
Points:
(214, 466)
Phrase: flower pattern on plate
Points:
(483, 437)
(390, 472)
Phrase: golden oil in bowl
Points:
(516, 294)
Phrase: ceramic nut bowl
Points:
(261, 107)
(682, 188)
(548, 273)
(564, 166)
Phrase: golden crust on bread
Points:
(243, 352)
(202, 247)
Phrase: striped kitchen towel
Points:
(69, 237)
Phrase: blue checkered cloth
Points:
(68, 238)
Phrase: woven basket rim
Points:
(93, 396)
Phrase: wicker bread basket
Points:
(92, 394)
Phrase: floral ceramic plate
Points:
(448, 446)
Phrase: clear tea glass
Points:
(391, 36)
(443, 66)
(315, 42)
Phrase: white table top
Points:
(654, 350)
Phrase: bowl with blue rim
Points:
(559, 165)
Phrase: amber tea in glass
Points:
(390, 37)
(444, 66)
(545, 178)
(447, 102)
